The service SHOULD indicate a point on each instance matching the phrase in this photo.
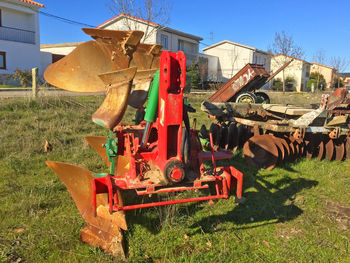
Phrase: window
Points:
(164, 41)
(2, 60)
(180, 45)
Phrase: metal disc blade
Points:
(78, 182)
(339, 147)
(215, 130)
(260, 151)
(329, 147)
(232, 131)
(286, 149)
(347, 147)
(223, 136)
(320, 151)
(280, 148)
(311, 147)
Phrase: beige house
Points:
(233, 56)
(299, 70)
(328, 72)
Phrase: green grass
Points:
(9, 86)
(284, 219)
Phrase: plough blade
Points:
(79, 70)
(112, 109)
(104, 229)
(97, 143)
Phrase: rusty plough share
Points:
(160, 155)
(271, 134)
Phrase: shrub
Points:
(194, 79)
(318, 80)
(289, 83)
(276, 84)
(23, 76)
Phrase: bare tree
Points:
(340, 64)
(320, 58)
(155, 13)
(284, 44)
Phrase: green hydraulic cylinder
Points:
(151, 109)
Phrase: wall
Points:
(20, 55)
(190, 45)
(327, 72)
(296, 69)
(209, 67)
(231, 58)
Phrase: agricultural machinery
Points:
(243, 86)
(271, 134)
(162, 154)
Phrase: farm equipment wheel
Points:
(262, 97)
(246, 97)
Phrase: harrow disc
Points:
(215, 131)
(280, 148)
(232, 133)
(261, 151)
(339, 150)
(347, 147)
(320, 150)
(329, 147)
(287, 150)
(223, 136)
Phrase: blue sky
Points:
(314, 24)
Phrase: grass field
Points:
(292, 214)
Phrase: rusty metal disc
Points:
(311, 147)
(301, 144)
(215, 131)
(261, 151)
(297, 149)
(240, 134)
(223, 143)
(320, 150)
(329, 147)
(280, 148)
(339, 147)
(286, 149)
(232, 133)
(347, 147)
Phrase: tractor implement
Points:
(273, 134)
(162, 154)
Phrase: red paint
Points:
(164, 147)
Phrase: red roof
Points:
(32, 2)
(124, 14)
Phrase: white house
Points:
(234, 56)
(19, 35)
(171, 39)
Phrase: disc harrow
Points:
(273, 134)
